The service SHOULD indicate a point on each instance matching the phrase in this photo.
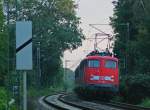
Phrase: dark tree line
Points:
(136, 45)
(3, 48)
(55, 28)
(133, 48)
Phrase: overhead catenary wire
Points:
(101, 34)
(92, 25)
(109, 38)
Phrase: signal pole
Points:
(95, 44)
(25, 90)
(38, 65)
(6, 2)
(127, 41)
(65, 73)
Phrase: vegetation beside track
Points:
(145, 102)
(34, 94)
(3, 100)
(134, 89)
(55, 29)
(131, 25)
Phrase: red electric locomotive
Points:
(98, 71)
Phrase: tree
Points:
(135, 47)
(56, 27)
(3, 48)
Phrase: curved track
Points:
(54, 101)
(72, 102)
(125, 106)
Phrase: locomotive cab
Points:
(98, 72)
(102, 73)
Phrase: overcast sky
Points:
(90, 12)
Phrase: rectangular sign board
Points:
(24, 55)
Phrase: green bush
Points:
(117, 99)
(3, 99)
(146, 102)
(134, 89)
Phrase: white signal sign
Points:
(24, 45)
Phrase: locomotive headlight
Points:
(112, 76)
(109, 78)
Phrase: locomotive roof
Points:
(101, 57)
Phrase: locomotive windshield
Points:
(93, 63)
(110, 64)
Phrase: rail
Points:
(77, 103)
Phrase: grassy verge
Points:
(146, 102)
(4, 99)
(35, 94)
(117, 99)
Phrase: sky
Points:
(90, 12)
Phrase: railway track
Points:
(71, 102)
(125, 106)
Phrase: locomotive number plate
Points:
(107, 78)
(95, 78)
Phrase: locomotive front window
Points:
(93, 63)
(110, 64)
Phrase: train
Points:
(97, 72)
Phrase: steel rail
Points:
(62, 98)
(81, 104)
(126, 106)
(112, 104)
(52, 104)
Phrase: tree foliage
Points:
(55, 27)
(3, 48)
(3, 99)
(134, 86)
(136, 44)
(134, 89)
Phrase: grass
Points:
(34, 93)
(3, 100)
(117, 99)
(146, 102)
